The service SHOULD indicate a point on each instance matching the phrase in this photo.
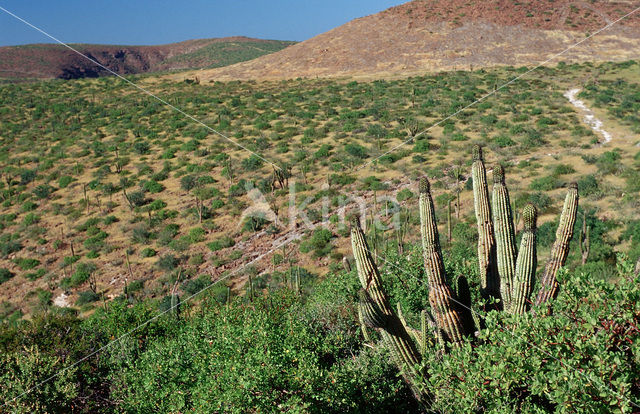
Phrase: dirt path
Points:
(589, 116)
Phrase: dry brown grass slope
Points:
(421, 36)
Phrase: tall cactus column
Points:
(505, 235)
(560, 249)
(489, 281)
(378, 314)
(526, 263)
(441, 297)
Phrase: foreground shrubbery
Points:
(581, 358)
(283, 352)
(280, 352)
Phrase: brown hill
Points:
(432, 35)
(57, 61)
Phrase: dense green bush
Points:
(581, 358)
(297, 374)
(82, 274)
(588, 185)
(609, 162)
(319, 242)
(305, 354)
(221, 243)
(252, 163)
(5, 275)
(23, 370)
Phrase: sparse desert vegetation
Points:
(116, 208)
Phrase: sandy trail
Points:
(589, 116)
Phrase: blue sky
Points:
(160, 21)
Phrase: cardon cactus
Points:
(378, 314)
(560, 249)
(526, 263)
(489, 281)
(505, 235)
(441, 297)
(504, 274)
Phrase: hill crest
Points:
(421, 36)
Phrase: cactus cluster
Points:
(506, 274)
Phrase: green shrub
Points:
(152, 186)
(5, 275)
(43, 191)
(546, 362)
(503, 141)
(373, 183)
(252, 163)
(197, 234)
(95, 242)
(255, 223)
(8, 246)
(168, 262)
(404, 194)
(148, 252)
(141, 147)
(191, 287)
(30, 219)
(544, 183)
(156, 205)
(135, 286)
(588, 185)
(221, 243)
(26, 263)
(319, 242)
(216, 204)
(32, 370)
(168, 233)
(341, 179)
(356, 150)
(563, 169)
(87, 296)
(28, 206)
(421, 145)
(82, 274)
(609, 162)
(35, 275)
(138, 198)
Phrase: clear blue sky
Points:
(131, 22)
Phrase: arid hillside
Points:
(57, 61)
(423, 36)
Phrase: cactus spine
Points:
(377, 312)
(526, 263)
(489, 283)
(560, 249)
(446, 312)
(505, 235)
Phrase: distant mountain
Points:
(57, 61)
(430, 35)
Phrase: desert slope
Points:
(57, 61)
(431, 36)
